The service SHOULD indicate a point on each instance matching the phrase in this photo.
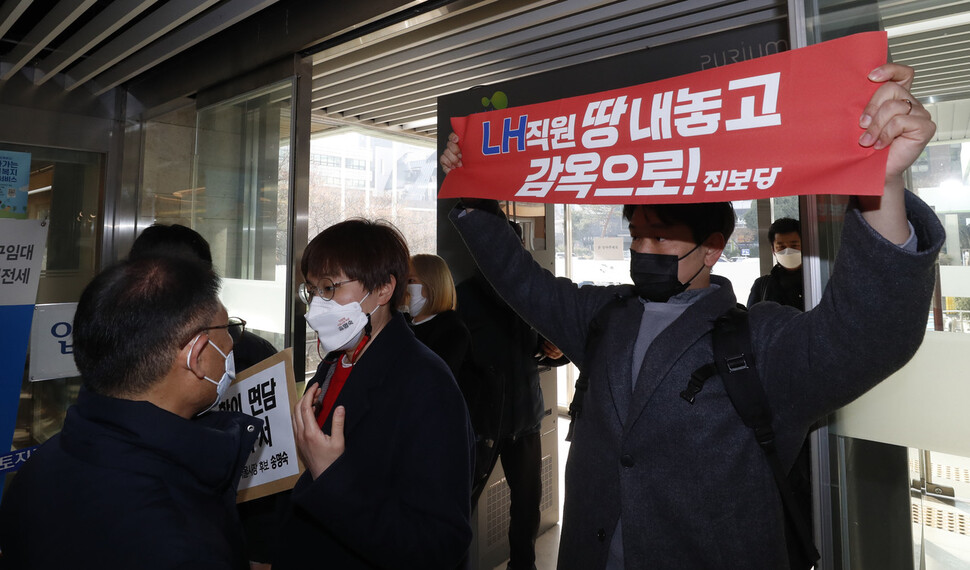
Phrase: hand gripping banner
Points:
(779, 125)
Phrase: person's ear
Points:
(191, 354)
(386, 291)
(713, 248)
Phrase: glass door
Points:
(66, 190)
(894, 464)
(225, 171)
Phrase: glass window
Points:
(940, 178)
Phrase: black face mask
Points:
(655, 275)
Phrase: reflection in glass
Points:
(224, 172)
(940, 496)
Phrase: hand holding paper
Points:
(893, 119)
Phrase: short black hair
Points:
(704, 218)
(134, 317)
(783, 226)
(175, 239)
(365, 250)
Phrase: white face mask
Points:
(416, 301)
(339, 327)
(789, 258)
(222, 386)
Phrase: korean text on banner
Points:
(267, 390)
(779, 125)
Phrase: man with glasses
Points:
(259, 516)
(144, 472)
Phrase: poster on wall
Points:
(14, 182)
(22, 245)
(736, 132)
(51, 347)
(267, 391)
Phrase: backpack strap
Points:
(593, 334)
(734, 359)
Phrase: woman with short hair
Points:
(381, 428)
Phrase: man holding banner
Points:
(654, 480)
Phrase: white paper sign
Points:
(51, 347)
(267, 391)
(608, 248)
(22, 244)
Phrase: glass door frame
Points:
(299, 71)
(801, 33)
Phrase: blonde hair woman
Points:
(432, 301)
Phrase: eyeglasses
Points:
(325, 291)
(235, 327)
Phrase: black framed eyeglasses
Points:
(235, 327)
(325, 291)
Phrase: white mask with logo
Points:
(338, 327)
(222, 386)
(789, 258)
(416, 300)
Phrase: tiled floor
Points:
(547, 545)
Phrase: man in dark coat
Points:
(259, 516)
(138, 478)
(654, 481)
(510, 352)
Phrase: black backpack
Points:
(734, 360)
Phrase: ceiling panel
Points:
(933, 36)
(399, 90)
(100, 44)
(391, 75)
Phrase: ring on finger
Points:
(910, 103)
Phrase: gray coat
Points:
(689, 481)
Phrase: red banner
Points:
(779, 125)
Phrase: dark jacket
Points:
(689, 480)
(398, 497)
(447, 336)
(781, 286)
(505, 346)
(126, 484)
(251, 349)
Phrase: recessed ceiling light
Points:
(929, 25)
